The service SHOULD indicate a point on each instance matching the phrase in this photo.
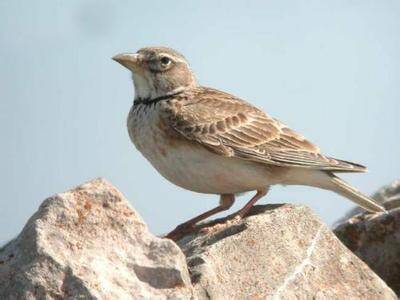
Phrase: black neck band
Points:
(148, 101)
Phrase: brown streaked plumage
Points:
(229, 126)
(209, 141)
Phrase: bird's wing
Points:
(229, 126)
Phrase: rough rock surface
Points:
(88, 243)
(388, 196)
(279, 252)
(376, 238)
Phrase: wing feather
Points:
(229, 126)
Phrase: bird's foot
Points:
(180, 231)
(215, 227)
(187, 228)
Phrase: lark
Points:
(208, 141)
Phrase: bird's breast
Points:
(145, 129)
(186, 163)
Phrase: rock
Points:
(88, 243)
(388, 196)
(376, 238)
(278, 252)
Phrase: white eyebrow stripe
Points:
(177, 59)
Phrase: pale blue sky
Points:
(329, 69)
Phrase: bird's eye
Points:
(165, 60)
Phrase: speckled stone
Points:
(88, 243)
(388, 196)
(376, 238)
(279, 252)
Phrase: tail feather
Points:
(343, 188)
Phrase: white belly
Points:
(192, 166)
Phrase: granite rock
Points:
(388, 196)
(376, 238)
(278, 252)
(88, 243)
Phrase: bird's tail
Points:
(341, 187)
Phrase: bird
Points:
(211, 142)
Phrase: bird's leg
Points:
(225, 202)
(243, 211)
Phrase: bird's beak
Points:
(130, 61)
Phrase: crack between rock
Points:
(299, 269)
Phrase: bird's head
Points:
(157, 72)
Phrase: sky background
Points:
(328, 69)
